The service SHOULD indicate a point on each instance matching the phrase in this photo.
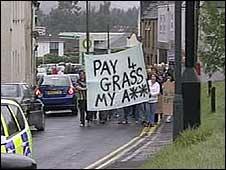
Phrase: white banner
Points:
(116, 80)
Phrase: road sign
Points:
(84, 43)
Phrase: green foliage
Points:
(212, 22)
(57, 59)
(193, 136)
(201, 148)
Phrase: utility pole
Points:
(190, 82)
(178, 101)
(197, 8)
(87, 27)
(108, 39)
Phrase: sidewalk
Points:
(136, 157)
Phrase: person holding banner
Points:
(82, 100)
(154, 92)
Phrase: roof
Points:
(13, 83)
(150, 10)
(93, 35)
(49, 39)
(5, 100)
(115, 42)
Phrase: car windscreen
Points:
(74, 78)
(55, 81)
(10, 90)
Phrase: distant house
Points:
(166, 31)
(116, 43)
(148, 30)
(50, 45)
(98, 41)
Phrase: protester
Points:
(127, 111)
(60, 72)
(54, 70)
(122, 115)
(154, 92)
(103, 116)
(82, 100)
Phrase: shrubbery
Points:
(49, 58)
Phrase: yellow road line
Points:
(147, 131)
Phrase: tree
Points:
(212, 51)
(69, 7)
(64, 17)
(68, 17)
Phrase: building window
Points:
(54, 48)
(171, 22)
(162, 24)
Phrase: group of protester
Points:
(144, 113)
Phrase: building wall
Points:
(43, 48)
(61, 49)
(149, 27)
(149, 40)
(166, 37)
(16, 41)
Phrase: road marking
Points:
(113, 155)
(119, 155)
(141, 148)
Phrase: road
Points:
(66, 145)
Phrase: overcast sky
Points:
(47, 5)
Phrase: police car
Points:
(15, 132)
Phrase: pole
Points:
(190, 82)
(87, 26)
(197, 3)
(213, 99)
(178, 101)
(209, 87)
(108, 41)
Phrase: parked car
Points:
(16, 136)
(74, 78)
(57, 93)
(15, 161)
(24, 95)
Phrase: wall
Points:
(43, 48)
(61, 49)
(166, 38)
(16, 41)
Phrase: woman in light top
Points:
(154, 88)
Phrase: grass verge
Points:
(201, 148)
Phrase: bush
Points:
(193, 136)
(50, 58)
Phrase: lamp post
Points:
(87, 27)
(190, 80)
(108, 40)
(178, 101)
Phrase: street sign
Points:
(84, 43)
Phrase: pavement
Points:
(143, 147)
